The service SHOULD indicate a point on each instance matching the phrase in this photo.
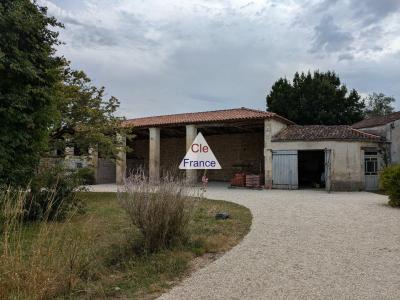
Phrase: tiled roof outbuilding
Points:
(322, 132)
(217, 116)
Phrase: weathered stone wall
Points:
(172, 151)
(271, 127)
(395, 142)
(236, 152)
(391, 132)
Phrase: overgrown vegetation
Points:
(52, 195)
(160, 211)
(86, 175)
(97, 254)
(29, 72)
(45, 106)
(390, 183)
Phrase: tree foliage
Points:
(317, 98)
(42, 101)
(86, 118)
(29, 73)
(379, 105)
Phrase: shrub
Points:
(86, 175)
(160, 211)
(390, 183)
(52, 195)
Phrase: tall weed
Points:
(160, 211)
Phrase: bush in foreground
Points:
(390, 183)
(160, 211)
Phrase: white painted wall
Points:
(271, 127)
(347, 160)
(392, 133)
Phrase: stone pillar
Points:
(268, 168)
(271, 127)
(154, 155)
(120, 161)
(191, 133)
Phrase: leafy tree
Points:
(29, 73)
(85, 118)
(379, 105)
(317, 98)
(42, 101)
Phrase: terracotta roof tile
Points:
(377, 121)
(236, 114)
(321, 132)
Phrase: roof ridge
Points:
(200, 112)
(377, 120)
(366, 133)
(321, 125)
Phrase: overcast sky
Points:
(175, 56)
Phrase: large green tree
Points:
(379, 105)
(317, 98)
(29, 74)
(44, 105)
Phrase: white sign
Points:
(199, 156)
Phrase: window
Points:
(371, 166)
(79, 165)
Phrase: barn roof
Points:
(217, 116)
(377, 121)
(322, 132)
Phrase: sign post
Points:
(200, 157)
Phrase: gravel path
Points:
(305, 245)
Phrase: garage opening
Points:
(311, 168)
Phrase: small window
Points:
(79, 165)
(371, 166)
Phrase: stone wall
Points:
(236, 152)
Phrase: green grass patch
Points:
(112, 266)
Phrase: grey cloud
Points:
(372, 11)
(346, 56)
(329, 37)
(228, 57)
(324, 5)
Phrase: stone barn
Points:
(286, 155)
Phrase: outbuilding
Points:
(255, 142)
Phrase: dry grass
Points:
(40, 260)
(94, 256)
(160, 211)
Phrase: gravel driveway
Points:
(305, 245)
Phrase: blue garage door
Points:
(284, 169)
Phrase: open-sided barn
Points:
(250, 141)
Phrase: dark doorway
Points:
(311, 168)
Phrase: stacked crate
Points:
(253, 181)
(239, 179)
